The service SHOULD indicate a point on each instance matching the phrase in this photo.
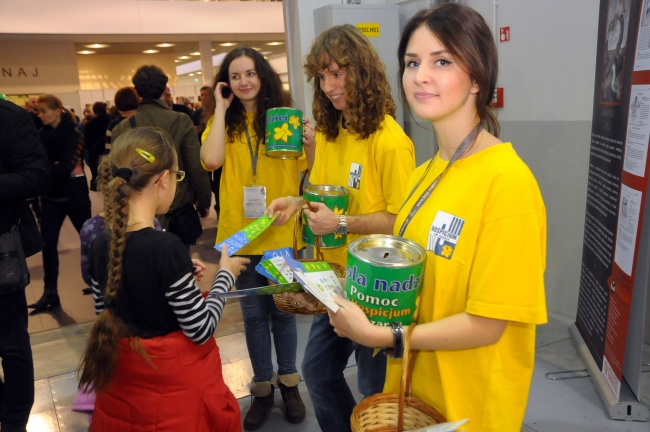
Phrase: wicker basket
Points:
(385, 412)
(289, 306)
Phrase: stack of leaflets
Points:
(442, 427)
(274, 267)
(317, 278)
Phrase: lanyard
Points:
(464, 146)
(255, 155)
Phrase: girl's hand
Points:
(235, 264)
(222, 102)
(285, 208)
(350, 321)
(322, 220)
(199, 269)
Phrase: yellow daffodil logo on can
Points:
(284, 133)
(384, 277)
(337, 198)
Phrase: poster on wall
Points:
(617, 184)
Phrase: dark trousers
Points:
(53, 214)
(215, 182)
(17, 391)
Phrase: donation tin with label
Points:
(384, 277)
(337, 198)
(284, 133)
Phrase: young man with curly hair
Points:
(359, 145)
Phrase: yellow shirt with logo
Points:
(375, 171)
(484, 228)
(280, 176)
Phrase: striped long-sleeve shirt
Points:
(197, 316)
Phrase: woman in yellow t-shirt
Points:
(245, 87)
(477, 209)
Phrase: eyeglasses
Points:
(180, 175)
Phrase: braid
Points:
(102, 351)
(117, 219)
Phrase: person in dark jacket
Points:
(24, 173)
(95, 139)
(69, 194)
(150, 82)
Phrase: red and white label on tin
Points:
(504, 34)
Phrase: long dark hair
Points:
(467, 37)
(102, 350)
(271, 95)
(367, 88)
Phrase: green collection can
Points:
(284, 133)
(337, 198)
(384, 277)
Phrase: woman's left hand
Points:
(350, 321)
(199, 269)
(308, 133)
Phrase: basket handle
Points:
(297, 232)
(408, 362)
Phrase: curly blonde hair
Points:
(366, 86)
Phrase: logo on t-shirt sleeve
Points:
(444, 234)
(354, 181)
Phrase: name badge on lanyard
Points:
(254, 193)
(254, 200)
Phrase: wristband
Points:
(398, 339)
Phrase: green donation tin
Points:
(284, 133)
(384, 277)
(337, 198)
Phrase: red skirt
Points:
(183, 391)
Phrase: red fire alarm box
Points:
(497, 98)
(504, 34)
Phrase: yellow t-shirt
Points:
(280, 176)
(484, 228)
(375, 171)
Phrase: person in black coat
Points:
(95, 139)
(24, 173)
(69, 194)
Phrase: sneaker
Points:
(256, 415)
(294, 407)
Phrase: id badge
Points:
(254, 201)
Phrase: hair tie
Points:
(124, 173)
(110, 302)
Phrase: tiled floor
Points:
(58, 339)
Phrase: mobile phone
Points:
(226, 92)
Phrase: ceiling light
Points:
(275, 43)
(85, 52)
(191, 74)
(228, 44)
(195, 53)
(164, 45)
(184, 57)
(97, 46)
(150, 51)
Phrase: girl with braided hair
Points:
(151, 356)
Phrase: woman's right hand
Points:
(285, 208)
(220, 101)
(235, 264)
